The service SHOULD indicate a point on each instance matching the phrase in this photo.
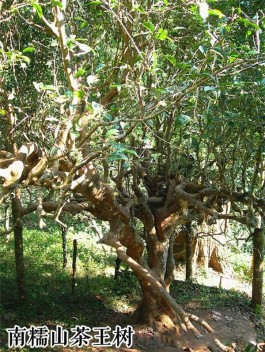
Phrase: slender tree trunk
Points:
(7, 222)
(117, 268)
(189, 252)
(7, 217)
(19, 254)
(258, 254)
(169, 275)
(64, 245)
(74, 265)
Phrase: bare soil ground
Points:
(232, 327)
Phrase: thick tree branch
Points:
(49, 207)
(66, 55)
(13, 172)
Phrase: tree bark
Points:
(74, 265)
(117, 268)
(7, 217)
(189, 252)
(157, 308)
(169, 275)
(258, 255)
(19, 253)
(64, 245)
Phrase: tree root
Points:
(174, 315)
(201, 322)
(223, 347)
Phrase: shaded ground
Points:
(232, 324)
(99, 300)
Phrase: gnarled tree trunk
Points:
(157, 308)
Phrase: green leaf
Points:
(2, 112)
(40, 86)
(161, 34)
(175, 29)
(83, 22)
(249, 23)
(183, 65)
(29, 49)
(195, 142)
(149, 26)
(182, 120)
(203, 49)
(107, 117)
(154, 65)
(94, 3)
(118, 146)
(233, 58)
(117, 155)
(130, 152)
(219, 51)
(112, 133)
(139, 8)
(171, 59)
(69, 42)
(155, 156)
(49, 87)
(157, 92)
(37, 8)
(249, 32)
(69, 94)
(57, 3)
(84, 48)
(216, 12)
(25, 58)
(80, 93)
(80, 73)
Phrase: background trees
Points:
(148, 115)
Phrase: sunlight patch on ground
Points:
(214, 279)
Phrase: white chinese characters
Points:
(79, 336)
